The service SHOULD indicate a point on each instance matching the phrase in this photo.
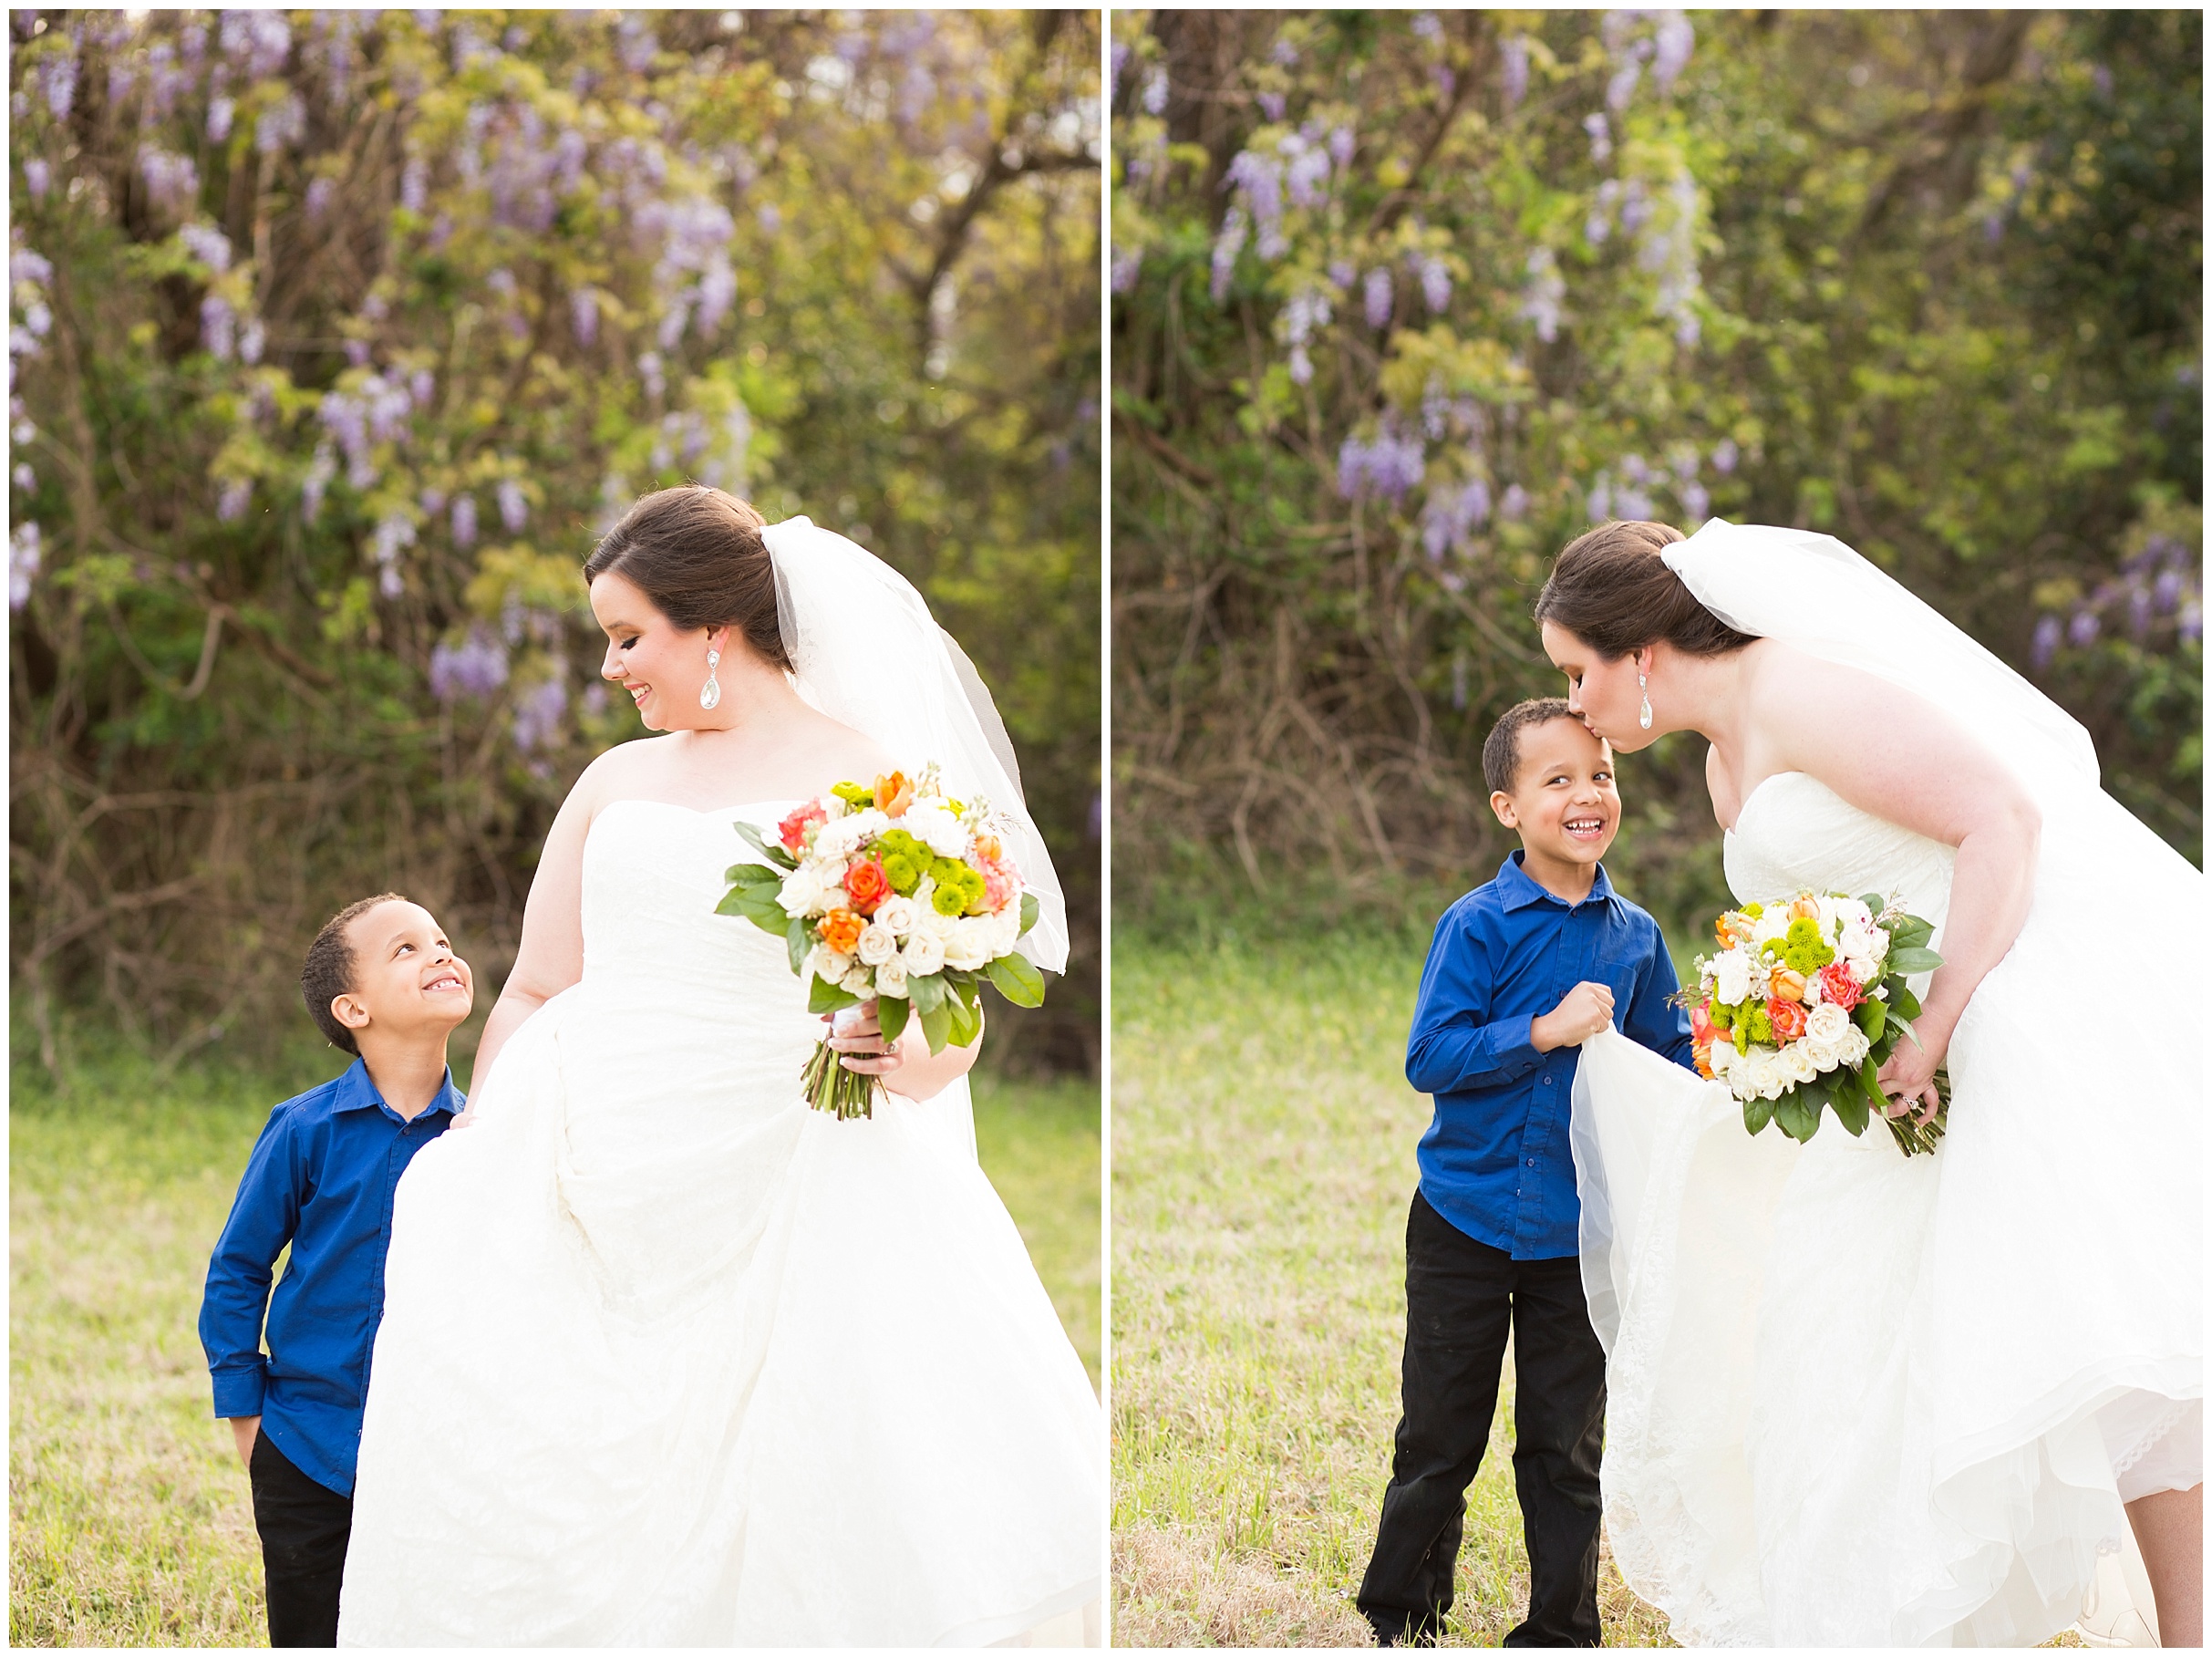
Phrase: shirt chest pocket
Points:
(1618, 969)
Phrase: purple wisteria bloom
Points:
(23, 558)
(514, 510)
(1514, 73)
(1377, 296)
(464, 522)
(537, 715)
(475, 668)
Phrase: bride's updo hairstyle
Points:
(1611, 589)
(698, 555)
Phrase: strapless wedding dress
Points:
(669, 1359)
(1858, 1399)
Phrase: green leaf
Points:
(1898, 1023)
(936, 1025)
(1797, 1118)
(795, 942)
(927, 994)
(1028, 911)
(1873, 900)
(1914, 960)
(826, 997)
(1910, 933)
(891, 1016)
(1870, 1016)
(1903, 1003)
(968, 1018)
(1849, 1104)
(1757, 1113)
(770, 850)
(1019, 980)
(1870, 1077)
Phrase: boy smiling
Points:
(1522, 972)
(381, 982)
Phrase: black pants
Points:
(1460, 1294)
(304, 1528)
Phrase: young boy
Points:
(383, 984)
(1522, 972)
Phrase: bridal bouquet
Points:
(897, 892)
(1802, 1006)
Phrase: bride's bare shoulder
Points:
(848, 753)
(626, 770)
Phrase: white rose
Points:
(1827, 1022)
(827, 965)
(1006, 929)
(939, 924)
(896, 915)
(1854, 1047)
(1732, 971)
(969, 946)
(936, 828)
(1773, 922)
(924, 953)
(1823, 1054)
(890, 977)
(859, 981)
(1721, 1057)
(802, 891)
(1797, 1064)
(876, 944)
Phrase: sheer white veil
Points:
(1814, 592)
(865, 650)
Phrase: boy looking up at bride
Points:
(383, 984)
(1522, 971)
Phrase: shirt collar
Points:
(1519, 889)
(356, 1091)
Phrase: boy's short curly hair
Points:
(328, 970)
(1502, 747)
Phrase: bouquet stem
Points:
(832, 1088)
(1920, 1139)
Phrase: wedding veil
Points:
(865, 650)
(1814, 592)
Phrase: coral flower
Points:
(867, 886)
(793, 830)
(1703, 1053)
(841, 929)
(1838, 985)
(1788, 1019)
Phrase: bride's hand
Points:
(855, 1033)
(1909, 1077)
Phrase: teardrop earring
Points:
(711, 691)
(1644, 719)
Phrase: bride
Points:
(668, 1357)
(1857, 1399)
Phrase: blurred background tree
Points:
(337, 336)
(1402, 302)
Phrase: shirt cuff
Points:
(239, 1391)
(1517, 1056)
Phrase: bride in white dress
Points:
(1853, 1398)
(668, 1357)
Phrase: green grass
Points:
(1263, 1160)
(131, 1519)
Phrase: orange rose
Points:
(841, 929)
(867, 886)
(893, 794)
(1703, 1053)
(1804, 908)
(1786, 986)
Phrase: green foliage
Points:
(337, 337)
(1403, 302)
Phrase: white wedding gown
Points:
(669, 1357)
(1857, 1399)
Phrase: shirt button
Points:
(1532, 1162)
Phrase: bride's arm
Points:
(1890, 754)
(551, 957)
(909, 1068)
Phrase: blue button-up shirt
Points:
(1495, 1161)
(321, 1178)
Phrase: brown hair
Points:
(1502, 747)
(698, 555)
(1612, 590)
(327, 972)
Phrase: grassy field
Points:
(131, 1523)
(1263, 1161)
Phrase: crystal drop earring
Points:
(711, 691)
(1644, 718)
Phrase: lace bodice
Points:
(1795, 831)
